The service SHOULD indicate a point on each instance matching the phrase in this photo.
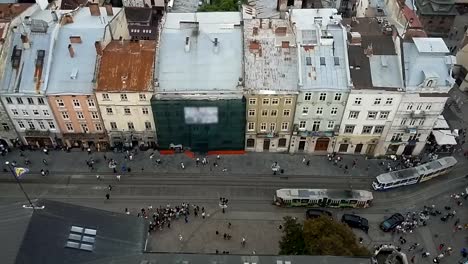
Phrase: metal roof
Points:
(270, 55)
(75, 75)
(385, 71)
(430, 45)
(201, 65)
(318, 193)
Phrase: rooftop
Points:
(75, 75)
(10, 11)
(436, 7)
(138, 14)
(72, 4)
(323, 60)
(270, 55)
(27, 71)
(127, 66)
(201, 52)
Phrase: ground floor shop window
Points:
(282, 142)
(250, 143)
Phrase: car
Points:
(315, 213)
(390, 223)
(355, 221)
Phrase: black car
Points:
(315, 213)
(390, 223)
(356, 221)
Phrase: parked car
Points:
(356, 221)
(390, 223)
(315, 213)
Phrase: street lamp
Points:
(13, 173)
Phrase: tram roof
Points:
(320, 193)
(416, 171)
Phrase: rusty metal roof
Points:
(126, 66)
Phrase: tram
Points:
(414, 175)
(323, 198)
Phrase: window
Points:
(21, 124)
(145, 110)
(308, 61)
(36, 112)
(302, 125)
(331, 124)
(389, 101)
(8, 100)
(384, 114)
(305, 110)
(403, 121)
(5, 126)
(84, 127)
(412, 122)
(19, 100)
(113, 125)
(60, 103)
(337, 96)
(319, 110)
(377, 101)
(148, 125)
(349, 129)
(98, 126)
(357, 100)
(123, 97)
(307, 96)
(266, 101)
(264, 112)
(372, 114)
(286, 112)
(46, 112)
(91, 103)
(109, 111)
(251, 112)
(322, 61)
(288, 101)
(94, 115)
(366, 129)
(142, 97)
(76, 103)
(30, 101)
(409, 107)
(263, 126)
(282, 142)
(65, 115)
(396, 136)
(428, 107)
(378, 129)
(51, 124)
(334, 110)
(25, 112)
(252, 101)
(316, 126)
(323, 96)
(274, 112)
(275, 101)
(250, 143)
(69, 126)
(336, 60)
(127, 111)
(105, 97)
(251, 126)
(353, 114)
(14, 111)
(40, 101)
(272, 127)
(284, 126)
(79, 115)
(31, 124)
(419, 107)
(421, 121)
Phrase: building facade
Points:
(324, 80)
(270, 63)
(123, 92)
(437, 17)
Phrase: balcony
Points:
(411, 129)
(418, 114)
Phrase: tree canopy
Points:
(219, 5)
(320, 236)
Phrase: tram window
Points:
(344, 201)
(404, 181)
(353, 201)
(295, 200)
(305, 201)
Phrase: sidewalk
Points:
(250, 163)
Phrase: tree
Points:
(320, 236)
(220, 5)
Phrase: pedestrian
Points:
(229, 225)
(46, 151)
(186, 219)
(42, 172)
(361, 240)
(425, 254)
(117, 177)
(169, 224)
(280, 227)
(126, 211)
(224, 211)
(308, 163)
(203, 215)
(44, 161)
(303, 159)
(115, 171)
(89, 151)
(441, 246)
(98, 177)
(225, 236)
(110, 187)
(243, 242)
(105, 158)
(180, 237)
(217, 232)
(107, 196)
(46, 172)
(456, 222)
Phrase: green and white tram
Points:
(323, 198)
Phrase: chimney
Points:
(261, 22)
(216, 45)
(25, 40)
(54, 16)
(98, 47)
(269, 23)
(109, 10)
(67, 19)
(255, 31)
(71, 51)
(94, 9)
(187, 44)
(369, 51)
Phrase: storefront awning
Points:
(444, 137)
(441, 123)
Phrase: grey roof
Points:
(323, 58)
(25, 79)
(138, 14)
(386, 71)
(203, 68)
(75, 75)
(14, 221)
(268, 65)
(117, 235)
